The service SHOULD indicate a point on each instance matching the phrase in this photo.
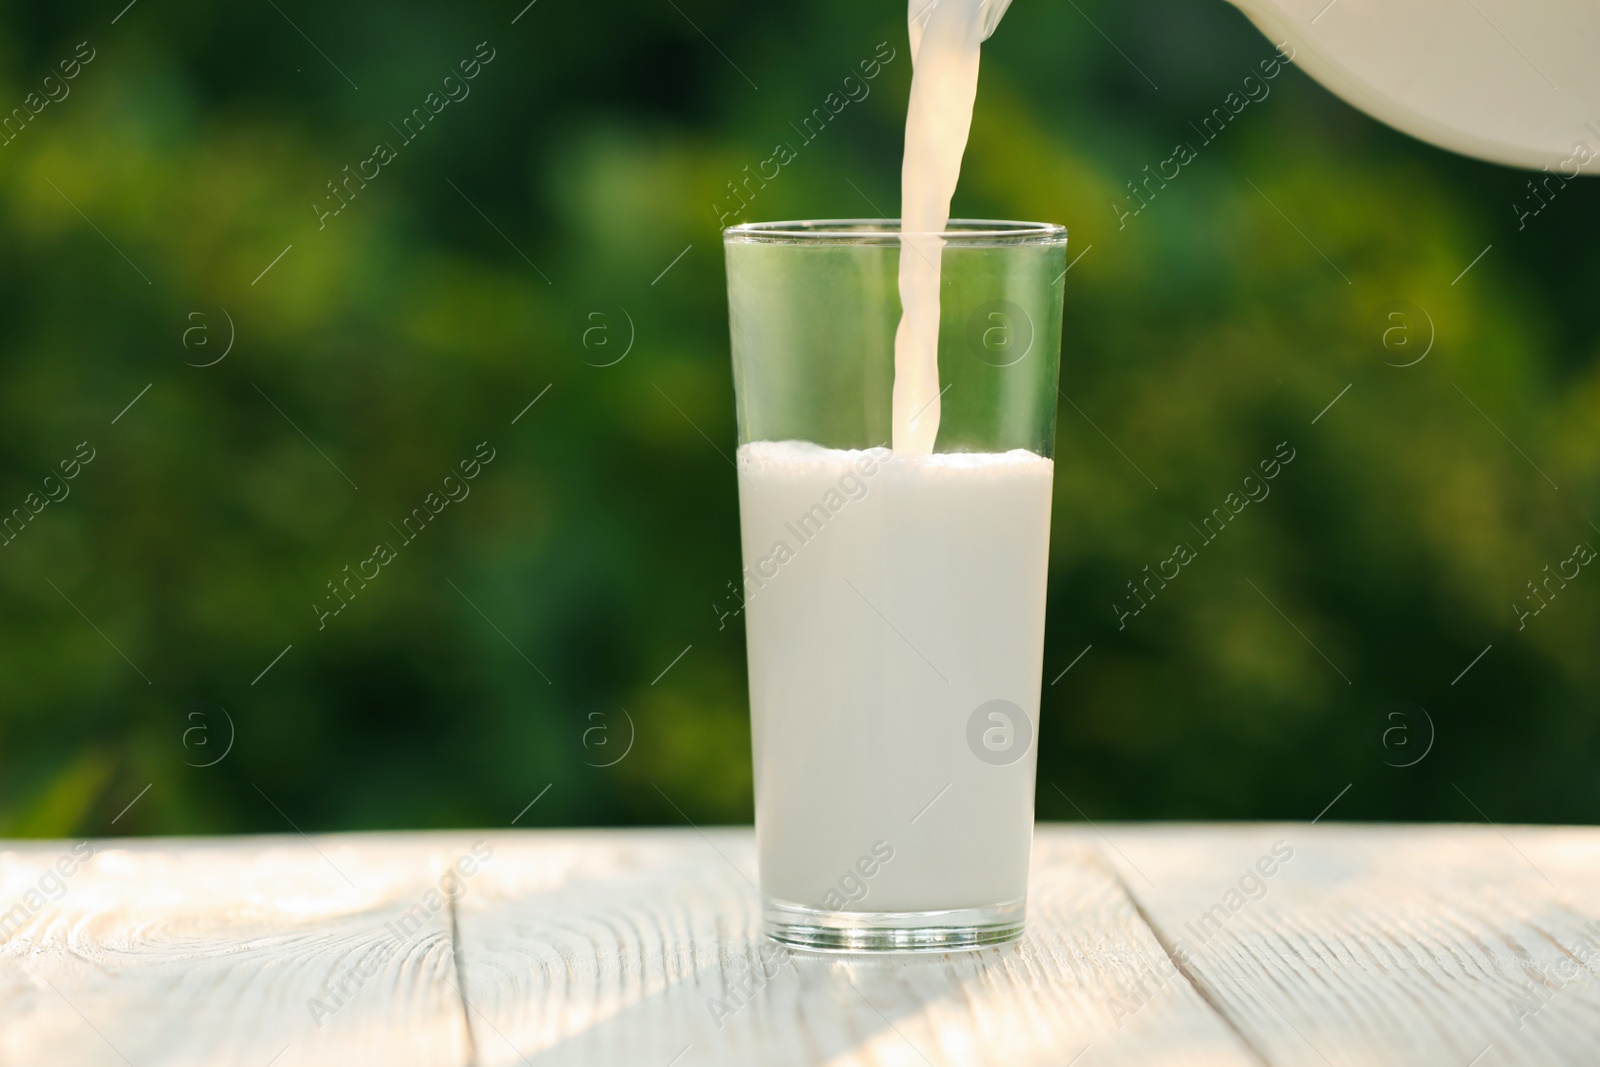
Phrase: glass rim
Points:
(885, 231)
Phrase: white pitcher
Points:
(1511, 81)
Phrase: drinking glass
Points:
(894, 604)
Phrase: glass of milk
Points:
(894, 601)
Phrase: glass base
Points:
(821, 930)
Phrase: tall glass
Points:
(894, 604)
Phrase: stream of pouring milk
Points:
(891, 596)
(945, 40)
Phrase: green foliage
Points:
(594, 547)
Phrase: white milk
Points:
(945, 35)
(888, 597)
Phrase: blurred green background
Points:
(502, 255)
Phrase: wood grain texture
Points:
(1443, 945)
(643, 948)
(1367, 945)
(212, 952)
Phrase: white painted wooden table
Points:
(1447, 945)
